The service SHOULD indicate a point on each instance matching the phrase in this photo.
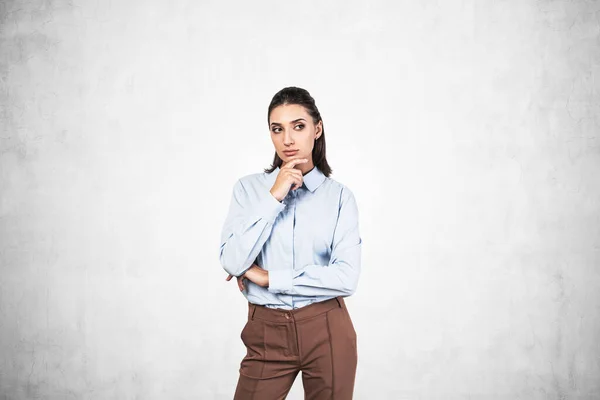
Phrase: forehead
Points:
(288, 112)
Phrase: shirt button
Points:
(287, 316)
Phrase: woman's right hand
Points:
(288, 176)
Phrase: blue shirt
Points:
(309, 242)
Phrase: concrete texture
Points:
(469, 132)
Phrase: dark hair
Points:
(296, 95)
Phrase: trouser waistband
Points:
(297, 314)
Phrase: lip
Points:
(290, 152)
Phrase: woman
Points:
(291, 238)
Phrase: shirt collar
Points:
(312, 180)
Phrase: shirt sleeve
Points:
(247, 227)
(340, 276)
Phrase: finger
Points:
(229, 277)
(297, 185)
(297, 181)
(294, 172)
(294, 175)
(292, 163)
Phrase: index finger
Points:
(292, 163)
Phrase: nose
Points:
(287, 138)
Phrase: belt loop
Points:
(339, 302)
(253, 311)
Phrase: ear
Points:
(319, 129)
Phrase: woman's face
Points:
(292, 128)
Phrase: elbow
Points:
(226, 262)
(350, 283)
(234, 263)
(227, 267)
(350, 289)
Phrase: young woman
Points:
(291, 238)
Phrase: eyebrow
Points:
(294, 121)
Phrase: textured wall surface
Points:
(469, 132)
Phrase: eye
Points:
(274, 129)
(300, 125)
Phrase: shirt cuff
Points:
(280, 280)
(269, 207)
(243, 272)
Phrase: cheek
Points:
(309, 140)
(310, 144)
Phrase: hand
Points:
(240, 281)
(254, 274)
(287, 177)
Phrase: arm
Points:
(246, 229)
(340, 276)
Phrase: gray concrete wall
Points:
(469, 132)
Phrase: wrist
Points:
(275, 197)
(266, 279)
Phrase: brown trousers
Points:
(318, 339)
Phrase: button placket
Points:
(294, 203)
(289, 225)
